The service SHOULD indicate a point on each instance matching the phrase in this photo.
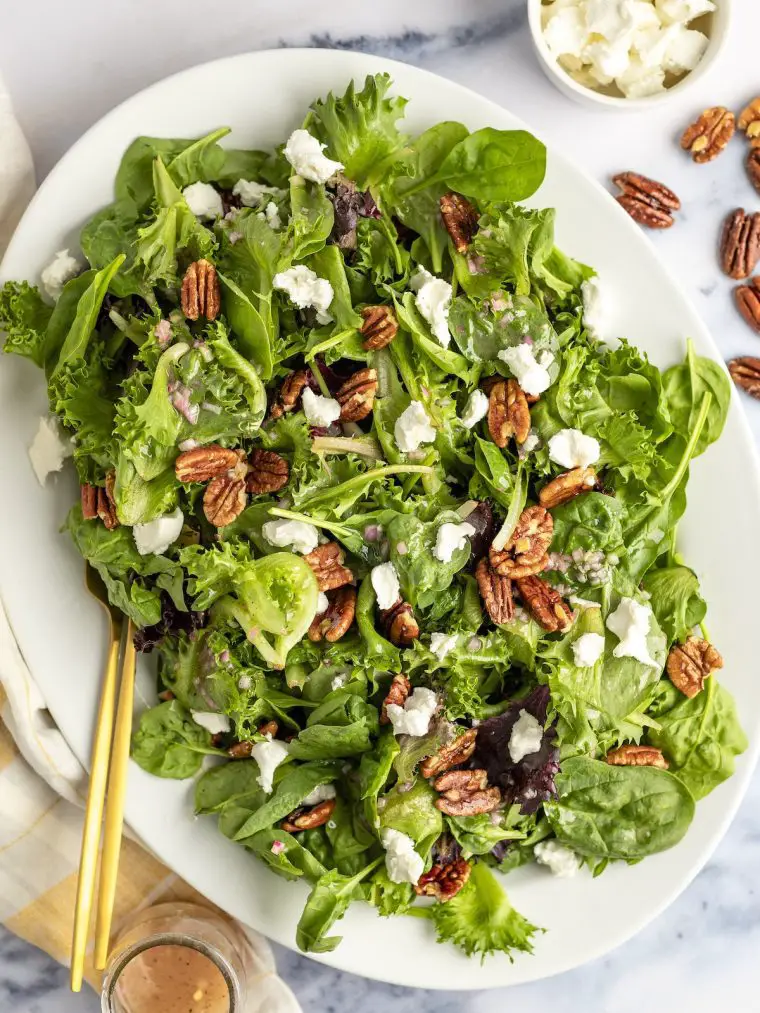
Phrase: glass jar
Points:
(178, 958)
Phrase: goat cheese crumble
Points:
(155, 537)
(442, 644)
(306, 290)
(322, 793)
(630, 622)
(588, 649)
(527, 735)
(48, 450)
(451, 537)
(570, 448)
(62, 268)
(414, 717)
(269, 755)
(413, 428)
(203, 200)
(433, 299)
(530, 371)
(305, 154)
(385, 585)
(319, 410)
(253, 194)
(212, 721)
(475, 409)
(562, 861)
(402, 862)
(298, 535)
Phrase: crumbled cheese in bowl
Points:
(629, 48)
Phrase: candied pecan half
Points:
(444, 881)
(647, 191)
(689, 664)
(334, 623)
(740, 244)
(745, 372)
(399, 690)
(379, 327)
(460, 219)
(496, 592)
(88, 495)
(200, 295)
(466, 793)
(749, 122)
(327, 563)
(308, 819)
(356, 396)
(709, 134)
(567, 486)
(400, 625)
(240, 750)
(459, 782)
(204, 463)
(526, 552)
(545, 604)
(453, 755)
(106, 507)
(508, 413)
(290, 392)
(747, 299)
(752, 166)
(225, 497)
(267, 472)
(636, 756)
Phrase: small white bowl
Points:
(718, 33)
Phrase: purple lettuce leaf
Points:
(173, 621)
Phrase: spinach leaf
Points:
(618, 812)
(328, 901)
(478, 835)
(168, 743)
(421, 574)
(329, 742)
(495, 165)
(294, 785)
(700, 736)
(686, 385)
(413, 813)
(675, 600)
(290, 859)
(233, 783)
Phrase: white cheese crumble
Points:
(595, 308)
(530, 371)
(323, 603)
(385, 585)
(451, 537)
(305, 289)
(340, 681)
(562, 861)
(62, 268)
(588, 649)
(441, 644)
(433, 298)
(570, 448)
(48, 451)
(414, 717)
(413, 428)
(630, 622)
(269, 755)
(475, 409)
(203, 200)
(155, 537)
(271, 216)
(527, 735)
(319, 410)
(299, 535)
(322, 793)
(252, 194)
(402, 862)
(212, 721)
(305, 154)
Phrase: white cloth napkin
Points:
(39, 832)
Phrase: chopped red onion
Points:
(371, 533)
(163, 332)
(402, 548)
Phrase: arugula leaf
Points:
(328, 902)
(168, 743)
(700, 736)
(24, 318)
(480, 919)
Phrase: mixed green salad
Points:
(397, 522)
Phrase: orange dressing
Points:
(172, 979)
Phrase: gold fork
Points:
(101, 748)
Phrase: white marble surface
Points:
(66, 65)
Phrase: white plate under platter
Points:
(262, 96)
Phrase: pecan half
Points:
(709, 134)
(225, 497)
(753, 167)
(200, 295)
(749, 122)
(240, 750)
(636, 756)
(567, 486)
(496, 592)
(290, 392)
(647, 191)
(327, 563)
(444, 881)
(334, 623)
(466, 793)
(508, 413)
(452, 755)
(379, 327)
(740, 244)
(267, 472)
(745, 372)
(460, 219)
(308, 819)
(88, 496)
(526, 552)
(400, 625)
(270, 728)
(689, 664)
(204, 463)
(399, 690)
(544, 604)
(644, 214)
(106, 507)
(356, 396)
(747, 299)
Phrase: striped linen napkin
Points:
(42, 785)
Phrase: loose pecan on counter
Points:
(508, 413)
(690, 663)
(200, 295)
(567, 486)
(526, 551)
(398, 692)
(465, 793)
(648, 202)
(752, 165)
(444, 881)
(747, 298)
(637, 756)
(496, 592)
(379, 327)
(335, 622)
(399, 624)
(452, 755)
(740, 244)
(709, 134)
(327, 563)
(460, 219)
(307, 819)
(745, 372)
(267, 472)
(356, 396)
(749, 122)
(545, 604)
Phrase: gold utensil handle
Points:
(117, 785)
(94, 811)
